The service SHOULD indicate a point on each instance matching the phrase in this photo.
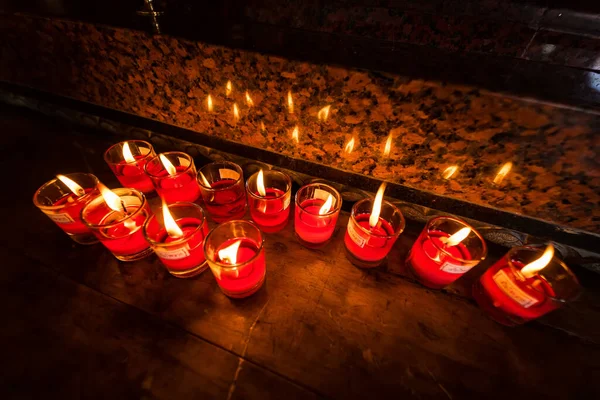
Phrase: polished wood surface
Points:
(80, 324)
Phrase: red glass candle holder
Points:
(236, 256)
(435, 261)
(511, 298)
(179, 184)
(120, 232)
(366, 246)
(317, 211)
(128, 165)
(222, 188)
(271, 210)
(63, 206)
(182, 256)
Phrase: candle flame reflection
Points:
(249, 99)
(260, 184)
(388, 146)
(290, 102)
(236, 112)
(204, 180)
(209, 103)
(450, 171)
(376, 211)
(323, 113)
(167, 164)
(127, 153)
(295, 134)
(349, 146)
(537, 265)
(457, 238)
(326, 207)
(112, 200)
(170, 225)
(72, 185)
(228, 88)
(503, 172)
(229, 253)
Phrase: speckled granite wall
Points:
(554, 151)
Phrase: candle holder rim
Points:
(177, 173)
(85, 197)
(232, 266)
(141, 207)
(447, 253)
(236, 167)
(401, 227)
(109, 162)
(259, 197)
(554, 259)
(338, 202)
(179, 240)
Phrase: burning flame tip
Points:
(537, 265)
(229, 253)
(112, 200)
(260, 184)
(326, 207)
(173, 230)
(127, 155)
(376, 211)
(167, 164)
(72, 185)
(458, 237)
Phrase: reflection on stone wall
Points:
(555, 174)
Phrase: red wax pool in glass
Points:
(510, 298)
(236, 256)
(270, 211)
(314, 221)
(120, 232)
(182, 256)
(64, 207)
(435, 262)
(368, 246)
(127, 160)
(179, 184)
(223, 190)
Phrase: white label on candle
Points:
(176, 254)
(61, 218)
(321, 194)
(286, 202)
(229, 174)
(454, 268)
(512, 290)
(355, 235)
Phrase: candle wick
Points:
(124, 208)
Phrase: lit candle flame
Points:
(296, 134)
(457, 237)
(249, 99)
(503, 172)
(290, 102)
(323, 113)
(112, 200)
(209, 103)
(374, 218)
(326, 207)
(204, 180)
(236, 112)
(349, 146)
(260, 184)
(72, 185)
(450, 171)
(229, 253)
(170, 225)
(228, 88)
(127, 153)
(388, 146)
(167, 164)
(537, 265)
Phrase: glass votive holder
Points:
(446, 249)
(270, 210)
(511, 297)
(222, 188)
(183, 253)
(127, 161)
(366, 246)
(317, 210)
(174, 176)
(120, 232)
(63, 205)
(236, 256)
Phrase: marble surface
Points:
(554, 150)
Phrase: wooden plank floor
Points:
(78, 323)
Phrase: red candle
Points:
(222, 188)
(445, 250)
(317, 210)
(174, 177)
(62, 200)
(127, 160)
(236, 256)
(178, 238)
(116, 218)
(269, 195)
(512, 292)
(373, 228)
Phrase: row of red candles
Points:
(523, 285)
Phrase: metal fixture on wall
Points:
(149, 11)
